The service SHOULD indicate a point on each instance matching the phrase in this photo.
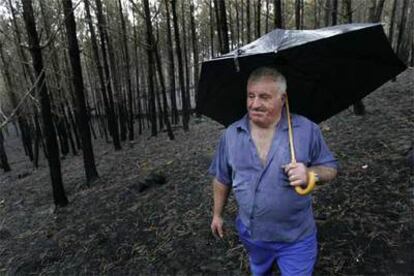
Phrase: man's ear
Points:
(283, 98)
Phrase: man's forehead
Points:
(262, 87)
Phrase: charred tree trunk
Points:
(267, 17)
(236, 7)
(137, 81)
(81, 110)
(278, 22)
(392, 23)
(185, 52)
(348, 10)
(164, 95)
(28, 76)
(130, 113)
(218, 25)
(51, 142)
(258, 21)
(171, 67)
(113, 124)
(249, 33)
(195, 52)
(334, 13)
(401, 43)
(100, 72)
(327, 13)
(150, 64)
(297, 14)
(3, 156)
(21, 119)
(59, 120)
(184, 94)
(211, 28)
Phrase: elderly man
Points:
(275, 224)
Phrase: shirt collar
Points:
(243, 123)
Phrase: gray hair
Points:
(272, 73)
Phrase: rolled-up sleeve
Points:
(220, 167)
(320, 153)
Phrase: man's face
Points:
(264, 102)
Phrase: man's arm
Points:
(325, 174)
(220, 195)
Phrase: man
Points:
(275, 224)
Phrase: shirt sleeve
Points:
(320, 153)
(220, 167)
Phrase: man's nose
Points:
(256, 102)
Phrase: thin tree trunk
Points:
(195, 52)
(3, 156)
(277, 4)
(334, 12)
(348, 10)
(231, 26)
(401, 51)
(184, 94)
(327, 10)
(267, 16)
(218, 26)
(22, 121)
(185, 52)
(297, 14)
(392, 23)
(211, 28)
(25, 63)
(150, 64)
(104, 45)
(130, 113)
(258, 21)
(137, 81)
(171, 67)
(51, 142)
(249, 37)
(378, 10)
(81, 111)
(236, 7)
(164, 95)
(59, 121)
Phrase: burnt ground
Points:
(365, 217)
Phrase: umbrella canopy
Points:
(326, 70)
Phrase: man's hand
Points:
(221, 193)
(297, 173)
(217, 227)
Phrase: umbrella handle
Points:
(310, 187)
(311, 175)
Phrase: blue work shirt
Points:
(268, 205)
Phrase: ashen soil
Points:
(365, 217)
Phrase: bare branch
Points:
(28, 94)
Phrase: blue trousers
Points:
(293, 259)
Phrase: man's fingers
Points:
(220, 231)
(289, 167)
(217, 230)
(297, 182)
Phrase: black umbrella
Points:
(327, 70)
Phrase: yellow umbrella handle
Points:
(311, 175)
(310, 187)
